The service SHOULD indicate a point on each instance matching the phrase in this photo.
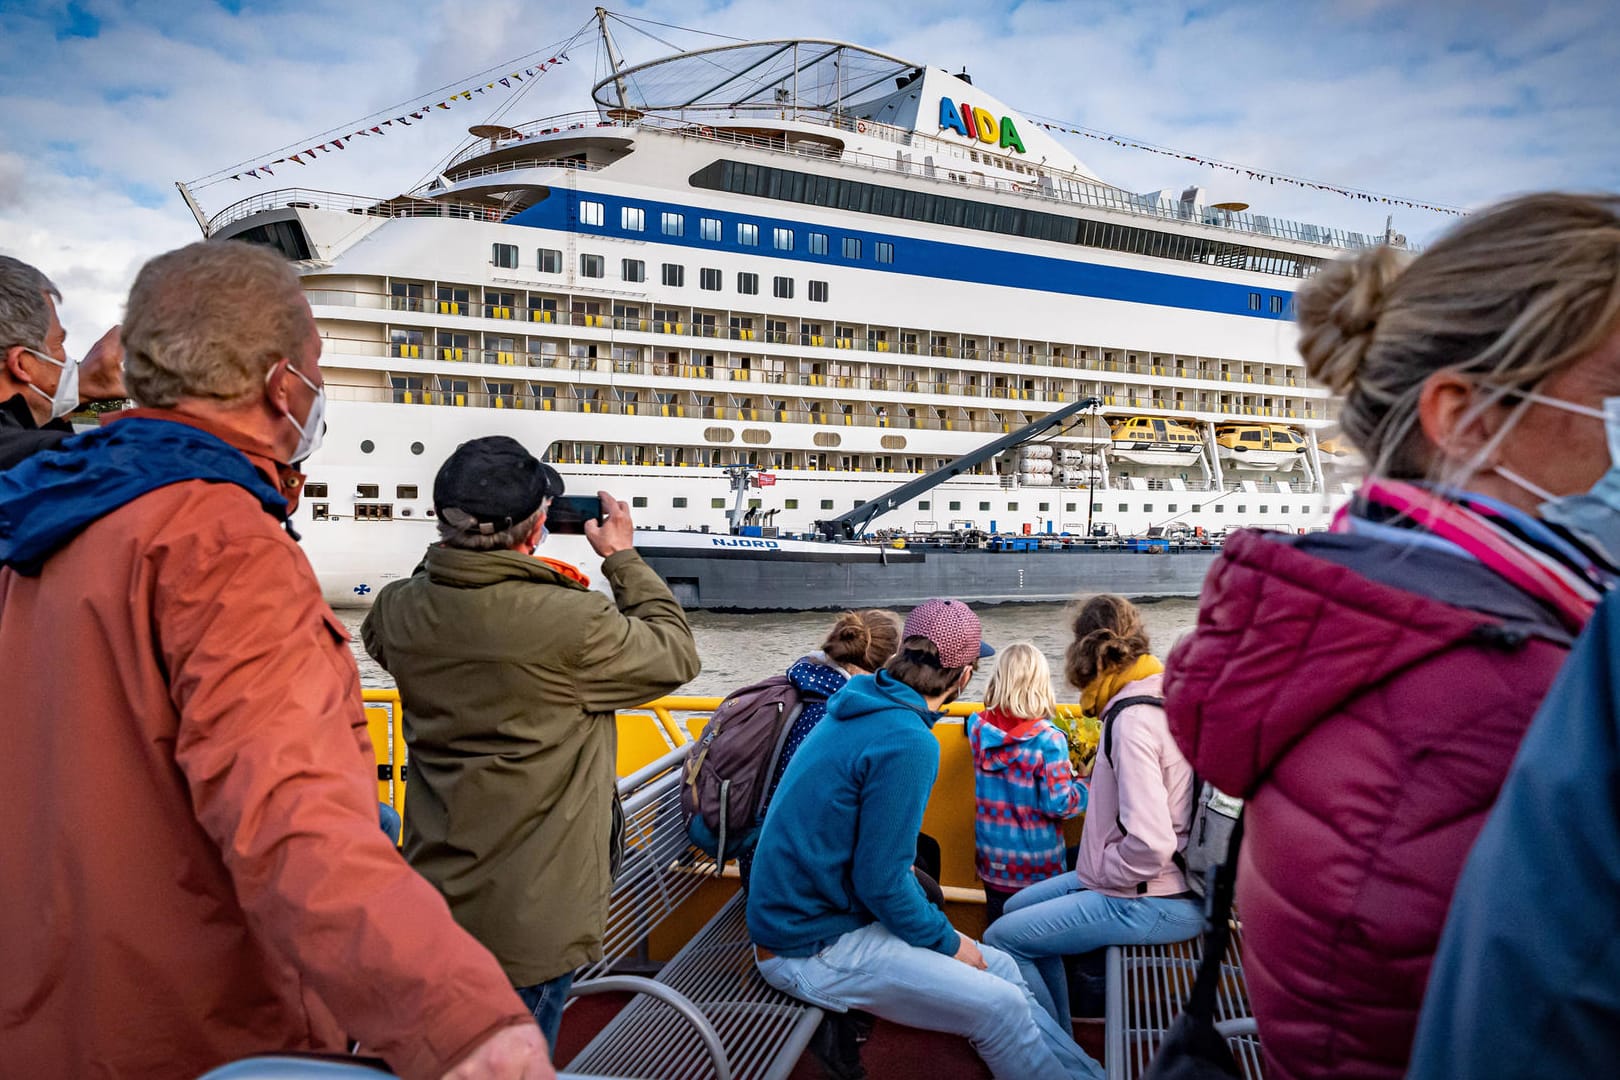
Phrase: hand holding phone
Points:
(614, 532)
(568, 514)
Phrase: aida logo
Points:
(975, 123)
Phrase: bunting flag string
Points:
(1252, 174)
(310, 154)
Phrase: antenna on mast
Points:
(614, 60)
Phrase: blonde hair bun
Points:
(1338, 312)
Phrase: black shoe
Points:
(836, 1044)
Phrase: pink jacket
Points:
(1148, 787)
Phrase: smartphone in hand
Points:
(569, 513)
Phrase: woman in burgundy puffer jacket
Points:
(1366, 689)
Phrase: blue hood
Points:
(815, 678)
(867, 694)
(51, 497)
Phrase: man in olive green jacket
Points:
(510, 669)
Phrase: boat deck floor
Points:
(892, 1053)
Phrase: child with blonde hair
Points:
(1023, 784)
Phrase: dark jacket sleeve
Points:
(1524, 981)
(19, 443)
(641, 650)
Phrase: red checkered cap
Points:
(952, 627)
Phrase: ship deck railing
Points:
(947, 165)
(1146, 986)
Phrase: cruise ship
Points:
(833, 265)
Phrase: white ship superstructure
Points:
(836, 265)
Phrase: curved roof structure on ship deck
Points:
(806, 73)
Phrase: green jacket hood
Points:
(464, 569)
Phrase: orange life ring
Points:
(860, 126)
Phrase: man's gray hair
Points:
(209, 320)
(25, 313)
(459, 529)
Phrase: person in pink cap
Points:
(836, 914)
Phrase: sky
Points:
(107, 103)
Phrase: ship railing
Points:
(939, 160)
(458, 175)
(515, 311)
(309, 199)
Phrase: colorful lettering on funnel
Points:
(972, 122)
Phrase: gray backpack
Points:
(728, 773)
(1214, 815)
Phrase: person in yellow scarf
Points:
(1127, 888)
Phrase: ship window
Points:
(550, 261)
(678, 502)
(1124, 507)
(1276, 305)
(504, 256)
(286, 237)
(883, 251)
(674, 276)
(1011, 507)
(709, 279)
(632, 218)
(984, 506)
(1264, 509)
(782, 288)
(955, 505)
(366, 447)
(366, 491)
(590, 213)
(1096, 508)
(817, 243)
(709, 228)
(638, 500)
(747, 234)
(790, 504)
(1253, 436)
(718, 504)
(319, 512)
(1147, 508)
(315, 491)
(633, 269)
(748, 284)
(1044, 507)
(405, 491)
(924, 505)
(1170, 509)
(1254, 301)
(852, 247)
(374, 512)
(590, 266)
(1243, 509)
(782, 239)
(674, 224)
(826, 504)
(818, 292)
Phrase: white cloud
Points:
(1450, 102)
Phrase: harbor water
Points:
(739, 649)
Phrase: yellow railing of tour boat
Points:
(650, 731)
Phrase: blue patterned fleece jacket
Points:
(1023, 788)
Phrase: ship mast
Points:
(614, 60)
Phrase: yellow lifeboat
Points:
(1154, 440)
(1267, 447)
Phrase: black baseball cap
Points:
(495, 480)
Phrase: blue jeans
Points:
(546, 1001)
(871, 969)
(1060, 917)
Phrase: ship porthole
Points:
(367, 446)
(417, 448)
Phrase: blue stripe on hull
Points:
(913, 257)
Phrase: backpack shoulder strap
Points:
(1113, 712)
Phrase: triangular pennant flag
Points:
(296, 158)
(516, 76)
(266, 170)
(238, 176)
(479, 90)
(406, 122)
(466, 94)
(378, 130)
(338, 143)
(442, 105)
(416, 116)
(506, 83)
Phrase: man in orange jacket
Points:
(192, 868)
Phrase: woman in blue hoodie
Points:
(859, 643)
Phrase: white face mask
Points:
(1595, 514)
(313, 429)
(66, 398)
